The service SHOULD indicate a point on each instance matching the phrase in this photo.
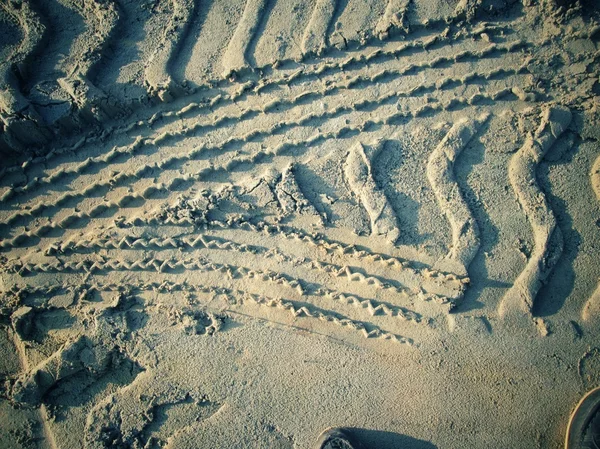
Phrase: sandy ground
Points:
(236, 223)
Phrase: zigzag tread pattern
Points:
(36, 209)
(367, 330)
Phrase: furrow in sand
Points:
(299, 310)
(235, 57)
(101, 18)
(357, 170)
(591, 310)
(394, 18)
(313, 71)
(260, 156)
(22, 123)
(244, 89)
(315, 34)
(374, 307)
(440, 172)
(158, 79)
(250, 112)
(92, 241)
(547, 235)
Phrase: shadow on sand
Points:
(388, 440)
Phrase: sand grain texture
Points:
(237, 223)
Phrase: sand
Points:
(237, 223)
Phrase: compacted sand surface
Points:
(233, 224)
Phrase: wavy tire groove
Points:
(101, 18)
(22, 125)
(235, 58)
(591, 310)
(159, 81)
(315, 35)
(359, 174)
(547, 236)
(440, 172)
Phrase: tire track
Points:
(195, 242)
(547, 235)
(235, 57)
(298, 310)
(315, 35)
(159, 80)
(398, 277)
(251, 112)
(373, 307)
(290, 233)
(445, 288)
(93, 242)
(228, 167)
(258, 157)
(440, 172)
(101, 18)
(185, 131)
(232, 272)
(22, 125)
(244, 89)
(156, 265)
(358, 172)
(591, 310)
(127, 105)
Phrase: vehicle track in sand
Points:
(247, 181)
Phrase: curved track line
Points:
(245, 88)
(394, 18)
(315, 35)
(248, 113)
(231, 271)
(547, 236)
(372, 306)
(261, 156)
(257, 157)
(591, 310)
(368, 330)
(358, 171)
(319, 241)
(157, 74)
(101, 19)
(440, 172)
(21, 120)
(235, 57)
(190, 243)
